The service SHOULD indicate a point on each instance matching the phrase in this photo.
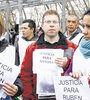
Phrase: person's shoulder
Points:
(35, 38)
(71, 44)
(32, 45)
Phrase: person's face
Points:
(71, 23)
(51, 25)
(86, 26)
(26, 30)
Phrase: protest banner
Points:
(68, 88)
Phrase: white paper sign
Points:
(44, 59)
(45, 67)
(8, 73)
(68, 88)
(45, 83)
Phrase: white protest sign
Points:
(68, 88)
(8, 73)
(45, 83)
(45, 67)
(44, 59)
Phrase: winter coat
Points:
(27, 76)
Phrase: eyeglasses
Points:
(49, 22)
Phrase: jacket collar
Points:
(62, 41)
(74, 34)
(32, 39)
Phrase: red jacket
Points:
(27, 76)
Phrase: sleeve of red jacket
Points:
(27, 76)
(74, 46)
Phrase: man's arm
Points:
(27, 76)
(15, 89)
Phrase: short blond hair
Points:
(51, 12)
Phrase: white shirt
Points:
(80, 63)
(23, 44)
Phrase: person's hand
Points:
(61, 61)
(76, 75)
(10, 89)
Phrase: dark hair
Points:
(31, 24)
(87, 12)
(75, 16)
(51, 12)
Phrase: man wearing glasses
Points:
(51, 38)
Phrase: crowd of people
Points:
(74, 43)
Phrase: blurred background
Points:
(15, 11)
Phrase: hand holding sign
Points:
(45, 67)
(76, 75)
(61, 61)
(10, 89)
(8, 74)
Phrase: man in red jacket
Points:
(51, 38)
